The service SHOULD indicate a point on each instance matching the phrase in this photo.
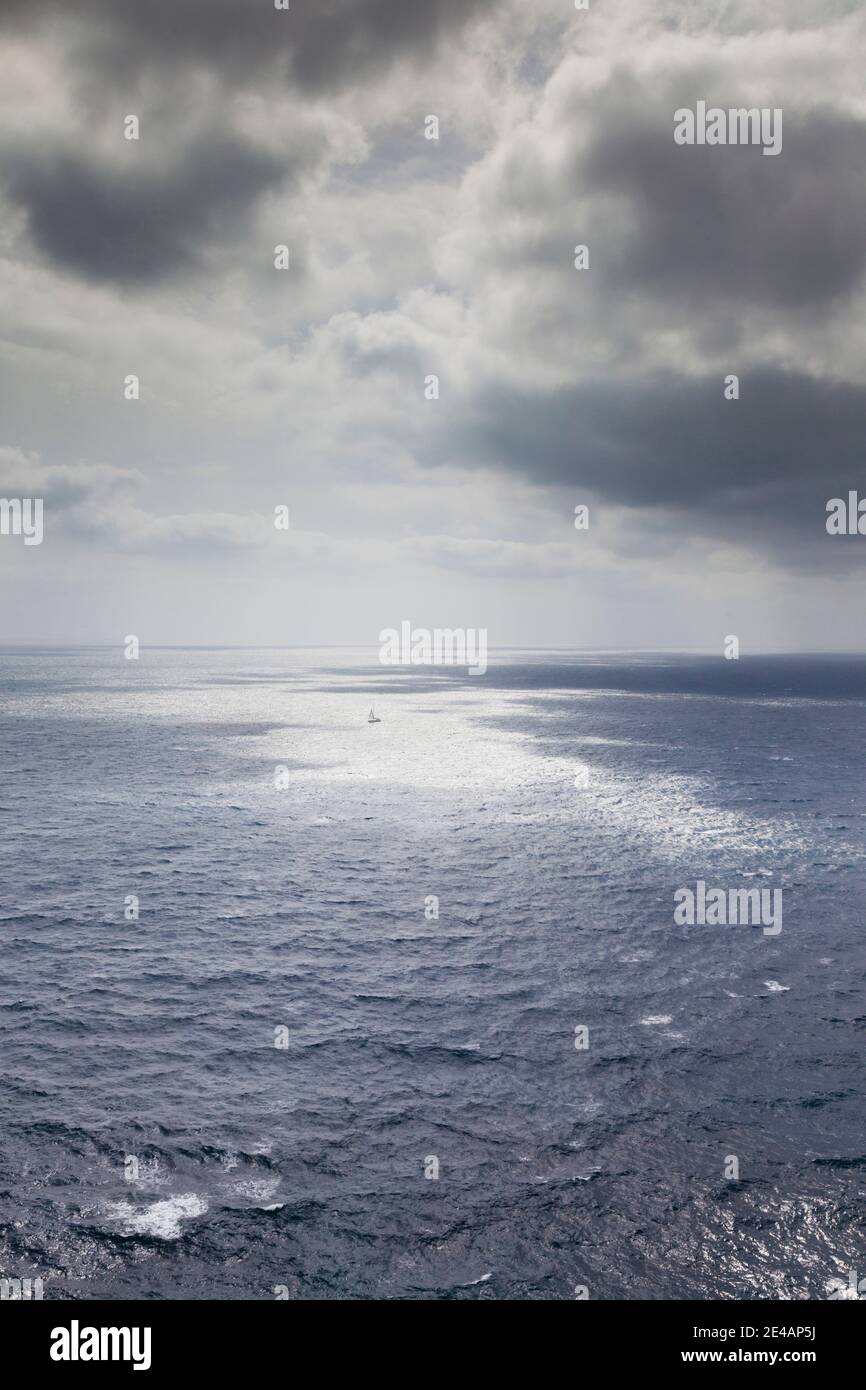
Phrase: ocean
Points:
(297, 1006)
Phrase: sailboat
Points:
(371, 717)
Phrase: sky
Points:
(411, 258)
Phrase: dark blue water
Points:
(302, 907)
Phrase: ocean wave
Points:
(163, 1219)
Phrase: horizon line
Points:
(374, 646)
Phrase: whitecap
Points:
(775, 988)
(656, 1020)
(162, 1219)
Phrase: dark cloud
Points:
(137, 225)
(685, 231)
(706, 223)
(319, 43)
(134, 225)
(759, 469)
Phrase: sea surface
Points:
(248, 1087)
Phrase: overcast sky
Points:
(411, 257)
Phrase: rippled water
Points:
(303, 907)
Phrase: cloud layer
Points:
(453, 258)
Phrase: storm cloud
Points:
(759, 468)
(135, 226)
(706, 224)
(315, 44)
